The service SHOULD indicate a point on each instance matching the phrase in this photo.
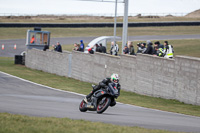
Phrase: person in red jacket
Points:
(33, 39)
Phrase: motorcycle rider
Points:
(114, 80)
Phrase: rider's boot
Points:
(88, 97)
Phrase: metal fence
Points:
(96, 14)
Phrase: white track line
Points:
(41, 84)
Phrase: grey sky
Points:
(87, 7)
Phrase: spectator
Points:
(54, 47)
(158, 52)
(82, 45)
(91, 51)
(114, 48)
(157, 43)
(45, 47)
(58, 47)
(141, 48)
(131, 48)
(168, 50)
(32, 39)
(125, 50)
(102, 48)
(149, 49)
(77, 47)
(97, 48)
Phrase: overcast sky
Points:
(87, 7)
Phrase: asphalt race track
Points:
(17, 96)
(9, 50)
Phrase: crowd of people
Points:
(157, 49)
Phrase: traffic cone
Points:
(15, 46)
(2, 47)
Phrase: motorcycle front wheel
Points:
(103, 104)
(82, 107)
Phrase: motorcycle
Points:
(101, 100)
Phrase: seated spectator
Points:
(58, 47)
(102, 48)
(149, 49)
(131, 48)
(125, 50)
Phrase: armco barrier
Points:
(177, 78)
(84, 25)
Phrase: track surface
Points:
(10, 52)
(21, 97)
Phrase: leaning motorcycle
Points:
(101, 100)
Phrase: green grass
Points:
(20, 33)
(10, 123)
(69, 84)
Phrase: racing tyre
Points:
(103, 104)
(82, 107)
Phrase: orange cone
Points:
(15, 46)
(2, 47)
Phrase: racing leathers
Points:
(103, 84)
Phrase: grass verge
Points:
(20, 33)
(10, 123)
(69, 84)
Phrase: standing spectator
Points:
(45, 47)
(158, 52)
(157, 43)
(141, 48)
(125, 50)
(58, 47)
(91, 51)
(102, 48)
(82, 45)
(168, 50)
(54, 47)
(77, 47)
(131, 48)
(114, 48)
(149, 49)
(97, 48)
(32, 39)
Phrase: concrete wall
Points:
(48, 61)
(177, 78)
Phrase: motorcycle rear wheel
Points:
(103, 104)
(82, 107)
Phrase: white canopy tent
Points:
(102, 39)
